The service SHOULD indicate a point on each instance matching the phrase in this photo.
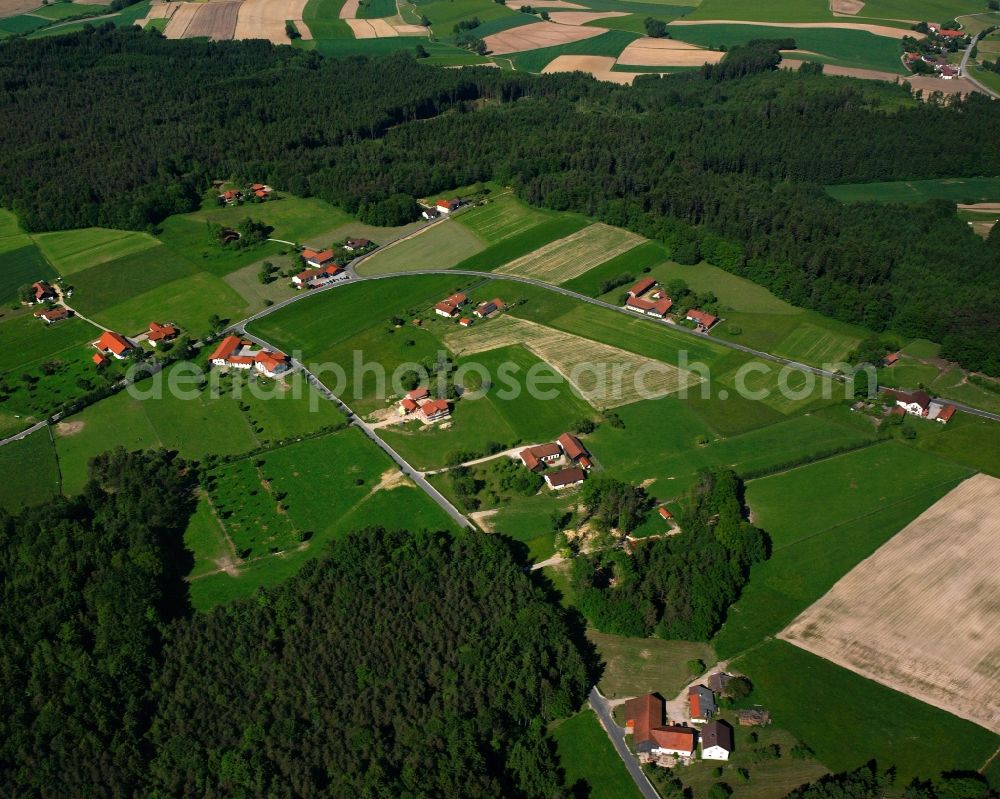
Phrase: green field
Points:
(256, 294)
(205, 540)
(73, 251)
(194, 425)
(823, 519)
(330, 486)
(323, 19)
(22, 266)
(852, 48)
(22, 23)
(29, 473)
(57, 11)
(524, 242)
(441, 246)
(11, 235)
(526, 520)
(501, 218)
(609, 44)
(293, 218)
(633, 666)
(959, 190)
(847, 719)
(588, 757)
(443, 14)
(772, 11)
(189, 238)
(633, 262)
(376, 9)
(120, 281)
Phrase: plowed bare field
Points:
(216, 20)
(921, 615)
(648, 52)
(180, 20)
(265, 19)
(597, 65)
(536, 35)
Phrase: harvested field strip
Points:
(570, 257)
(602, 374)
(179, 21)
(216, 20)
(583, 17)
(647, 52)
(537, 35)
(942, 652)
(600, 66)
(878, 30)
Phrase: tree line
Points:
(727, 166)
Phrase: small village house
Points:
(916, 403)
(664, 513)
(430, 213)
(651, 738)
(489, 308)
(435, 409)
(565, 478)
(702, 320)
(111, 343)
(702, 704)
(99, 359)
(317, 276)
(574, 448)
(890, 359)
(317, 259)
(447, 206)
(641, 287)
(353, 245)
(161, 332)
(944, 415)
(406, 406)
(52, 315)
(43, 291)
(465, 321)
(716, 741)
(536, 457)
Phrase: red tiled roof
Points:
(270, 360)
(891, 358)
(308, 274)
(158, 332)
(113, 342)
(52, 314)
(261, 193)
(226, 348)
(642, 714)
(320, 257)
(433, 407)
(572, 446)
(447, 307)
(664, 513)
(408, 405)
(694, 699)
(663, 306)
(99, 359)
(946, 413)
(257, 186)
(702, 318)
(950, 34)
(465, 321)
(418, 393)
(43, 289)
(565, 477)
(680, 738)
(584, 461)
(529, 459)
(640, 304)
(642, 286)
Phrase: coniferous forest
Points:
(399, 664)
(124, 128)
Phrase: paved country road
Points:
(965, 72)
(603, 708)
(240, 326)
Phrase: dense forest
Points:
(680, 586)
(123, 128)
(398, 664)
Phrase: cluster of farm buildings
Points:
(670, 742)
(648, 298)
(451, 307)
(933, 51)
(441, 208)
(419, 400)
(256, 191)
(325, 266)
(568, 452)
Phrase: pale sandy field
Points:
(648, 52)
(569, 257)
(849, 72)
(536, 35)
(583, 17)
(879, 30)
(587, 365)
(180, 20)
(597, 65)
(847, 8)
(921, 615)
(985, 207)
(265, 19)
(11, 8)
(559, 4)
(349, 10)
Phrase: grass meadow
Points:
(823, 519)
(11, 235)
(29, 472)
(501, 218)
(633, 262)
(22, 266)
(958, 190)
(633, 666)
(119, 281)
(205, 539)
(847, 719)
(293, 218)
(524, 242)
(73, 251)
(851, 48)
(773, 11)
(588, 757)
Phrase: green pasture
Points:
(376, 9)
(26, 341)
(588, 758)
(11, 235)
(256, 294)
(323, 19)
(524, 242)
(189, 302)
(813, 344)
(29, 473)
(823, 519)
(633, 262)
(346, 47)
(847, 719)
(853, 48)
(358, 230)
(120, 281)
(73, 251)
(958, 190)
(250, 510)
(205, 539)
(20, 24)
(966, 439)
(21, 266)
(443, 14)
(634, 666)
(293, 218)
(928, 10)
(190, 238)
(441, 246)
(501, 218)
(527, 520)
(771, 11)
(734, 292)
(58, 11)
(608, 44)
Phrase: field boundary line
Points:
(55, 453)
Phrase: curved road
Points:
(240, 326)
(965, 72)
(603, 709)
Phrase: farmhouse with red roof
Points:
(43, 291)
(702, 703)
(435, 409)
(236, 353)
(917, 403)
(319, 276)
(114, 344)
(536, 457)
(645, 298)
(447, 206)
(450, 306)
(573, 447)
(565, 478)
(489, 308)
(651, 738)
(317, 259)
(52, 315)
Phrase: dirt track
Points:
(536, 35)
(921, 614)
(878, 30)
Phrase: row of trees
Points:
(728, 165)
